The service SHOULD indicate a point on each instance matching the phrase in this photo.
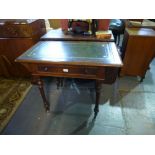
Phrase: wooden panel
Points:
(38, 29)
(11, 49)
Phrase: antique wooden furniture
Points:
(88, 60)
(138, 50)
(16, 36)
(117, 26)
(59, 35)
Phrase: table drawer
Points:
(68, 70)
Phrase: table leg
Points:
(39, 82)
(98, 88)
(59, 82)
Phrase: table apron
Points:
(87, 72)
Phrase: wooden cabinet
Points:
(16, 36)
(138, 50)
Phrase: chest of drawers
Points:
(16, 36)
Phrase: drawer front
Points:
(71, 71)
(68, 69)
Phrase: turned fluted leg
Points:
(98, 88)
(39, 82)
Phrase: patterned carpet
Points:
(12, 93)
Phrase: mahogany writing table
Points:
(87, 60)
(59, 35)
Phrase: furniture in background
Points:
(138, 50)
(55, 23)
(59, 35)
(143, 23)
(65, 24)
(117, 26)
(103, 24)
(81, 59)
(136, 20)
(16, 36)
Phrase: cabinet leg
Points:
(98, 88)
(39, 82)
(142, 78)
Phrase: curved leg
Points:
(37, 81)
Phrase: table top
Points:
(59, 35)
(145, 24)
(71, 52)
(141, 32)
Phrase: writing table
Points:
(86, 60)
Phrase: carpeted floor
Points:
(12, 93)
